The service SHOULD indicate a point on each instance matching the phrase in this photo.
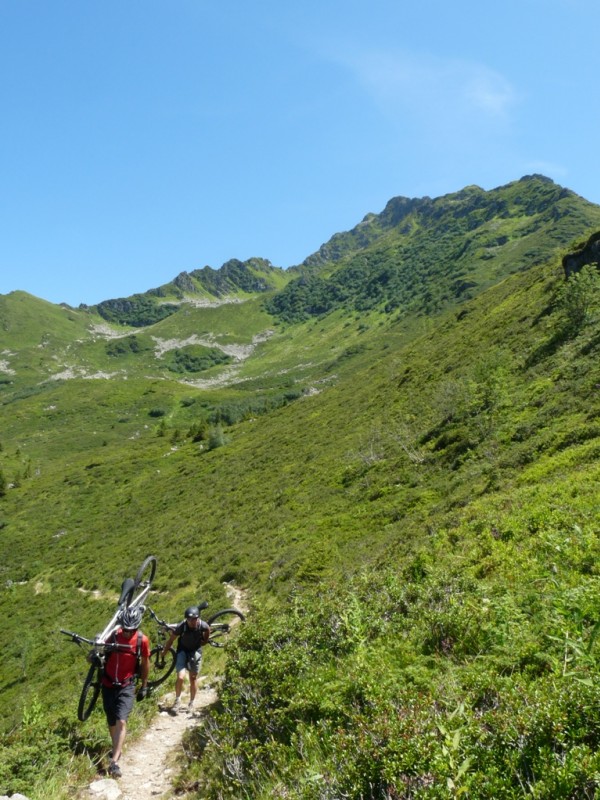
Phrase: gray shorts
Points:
(118, 702)
(190, 661)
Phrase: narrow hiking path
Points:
(149, 763)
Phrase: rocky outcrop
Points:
(588, 254)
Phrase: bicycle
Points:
(162, 665)
(133, 593)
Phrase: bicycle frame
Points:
(127, 600)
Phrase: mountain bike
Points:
(133, 593)
(162, 664)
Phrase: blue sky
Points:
(142, 138)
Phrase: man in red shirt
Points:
(118, 680)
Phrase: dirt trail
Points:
(148, 764)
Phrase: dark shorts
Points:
(118, 702)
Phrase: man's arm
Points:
(205, 633)
(144, 670)
(169, 644)
(144, 673)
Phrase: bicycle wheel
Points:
(221, 624)
(161, 666)
(90, 692)
(143, 581)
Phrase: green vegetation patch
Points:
(394, 261)
(194, 358)
(138, 310)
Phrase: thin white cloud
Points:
(489, 92)
(427, 86)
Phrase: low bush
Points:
(395, 688)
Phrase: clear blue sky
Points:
(141, 138)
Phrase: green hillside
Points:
(419, 256)
(234, 281)
(406, 491)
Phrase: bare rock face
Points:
(588, 254)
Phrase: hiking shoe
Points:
(190, 707)
(114, 770)
(176, 704)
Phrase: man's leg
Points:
(178, 689)
(124, 700)
(179, 684)
(180, 666)
(117, 735)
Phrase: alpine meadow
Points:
(393, 448)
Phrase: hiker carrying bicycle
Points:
(119, 676)
(192, 634)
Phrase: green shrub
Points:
(216, 438)
(31, 754)
(579, 297)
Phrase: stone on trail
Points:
(105, 789)
(15, 796)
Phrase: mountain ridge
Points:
(237, 278)
(399, 208)
(423, 258)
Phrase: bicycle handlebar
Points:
(168, 625)
(78, 639)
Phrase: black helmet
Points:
(192, 612)
(131, 618)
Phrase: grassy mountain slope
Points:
(420, 256)
(235, 280)
(36, 337)
(410, 500)
(453, 652)
(534, 198)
